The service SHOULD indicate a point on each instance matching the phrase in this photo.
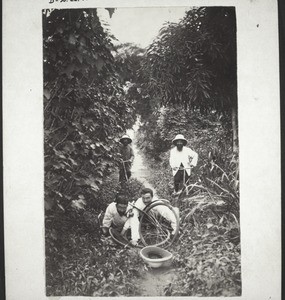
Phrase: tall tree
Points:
(128, 57)
(84, 106)
(193, 63)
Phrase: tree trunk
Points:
(235, 129)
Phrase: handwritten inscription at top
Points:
(59, 1)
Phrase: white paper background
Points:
(259, 132)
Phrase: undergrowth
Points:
(88, 265)
(79, 261)
(207, 252)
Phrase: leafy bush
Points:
(78, 260)
(85, 265)
(217, 169)
(192, 63)
(207, 252)
(111, 186)
(85, 109)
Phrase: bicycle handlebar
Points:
(182, 168)
(147, 205)
(126, 161)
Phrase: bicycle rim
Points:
(156, 225)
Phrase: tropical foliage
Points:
(208, 251)
(217, 170)
(192, 64)
(206, 255)
(79, 261)
(128, 58)
(185, 82)
(85, 110)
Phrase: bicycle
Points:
(155, 225)
(159, 224)
(125, 178)
(184, 183)
(187, 188)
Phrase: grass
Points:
(208, 250)
(207, 253)
(79, 261)
(91, 266)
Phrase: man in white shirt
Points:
(140, 204)
(117, 215)
(182, 160)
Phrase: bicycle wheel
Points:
(159, 224)
(117, 237)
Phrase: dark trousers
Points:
(179, 179)
(124, 174)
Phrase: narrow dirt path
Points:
(153, 282)
(139, 169)
(156, 281)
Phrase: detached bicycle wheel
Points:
(159, 224)
(117, 237)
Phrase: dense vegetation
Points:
(192, 66)
(185, 82)
(85, 108)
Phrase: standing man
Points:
(127, 158)
(182, 160)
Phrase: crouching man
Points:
(117, 216)
(140, 204)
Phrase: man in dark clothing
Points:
(127, 158)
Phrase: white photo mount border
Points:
(259, 139)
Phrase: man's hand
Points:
(105, 230)
(172, 234)
(134, 242)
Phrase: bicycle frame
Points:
(124, 168)
(125, 171)
(148, 213)
(184, 183)
(149, 204)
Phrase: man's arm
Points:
(132, 155)
(172, 162)
(134, 222)
(107, 220)
(193, 157)
(127, 224)
(167, 213)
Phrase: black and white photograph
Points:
(141, 152)
(141, 149)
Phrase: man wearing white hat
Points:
(182, 160)
(127, 158)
